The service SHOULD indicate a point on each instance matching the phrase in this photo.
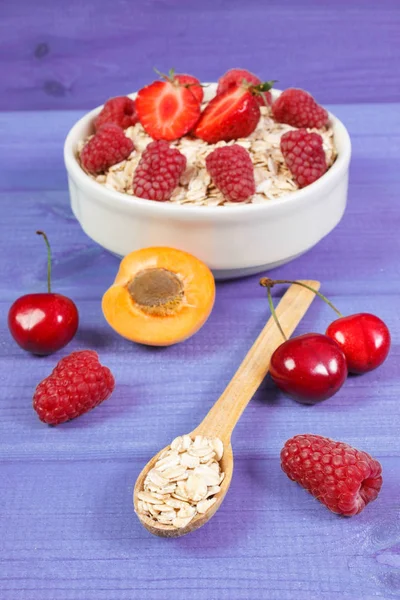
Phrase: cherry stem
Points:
(42, 233)
(269, 283)
(271, 305)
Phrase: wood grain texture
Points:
(67, 527)
(223, 416)
(57, 55)
(221, 420)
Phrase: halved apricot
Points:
(160, 296)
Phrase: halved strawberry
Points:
(235, 77)
(166, 110)
(231, 115)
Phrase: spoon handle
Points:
(223, 416)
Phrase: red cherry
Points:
(43, 323)
(309, 367)
(364, 339)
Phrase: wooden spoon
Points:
(223, 416)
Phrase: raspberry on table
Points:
(120, 110)
(304, 155)
(107, 147)
(158, 172)
(339, 476)
(232, 172)
(298, 108)
(235, 77)
(77, 384)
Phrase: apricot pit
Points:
(157, 291)
(160, 296)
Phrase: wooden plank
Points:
(31, 143)
(78, 55)
(68, 531)
(85, 542)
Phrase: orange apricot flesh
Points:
(160, 296)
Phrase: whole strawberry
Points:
(184, 80)
(232, 172)
(304, 155)
(235, 77)
(191, 82)
(120, 110)
(339, 476)
(77, 384)
(231, 115)
(158, 172)
(107, 147)
(298, 108)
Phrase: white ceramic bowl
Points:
(232, 240)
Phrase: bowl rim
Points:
(130, 203)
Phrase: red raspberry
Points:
(235, 77)
(339, 476)
(158, 172)
(107, 147)
(304, 156)
(232, 172)
(120, 110)
(299, 109)
(77, 384)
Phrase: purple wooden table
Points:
(67, 527)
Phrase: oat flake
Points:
(273, 178)
(179, 486)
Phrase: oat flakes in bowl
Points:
(273, 178)
(272, 228)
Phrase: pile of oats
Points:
(183, 482)
(273, 178)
